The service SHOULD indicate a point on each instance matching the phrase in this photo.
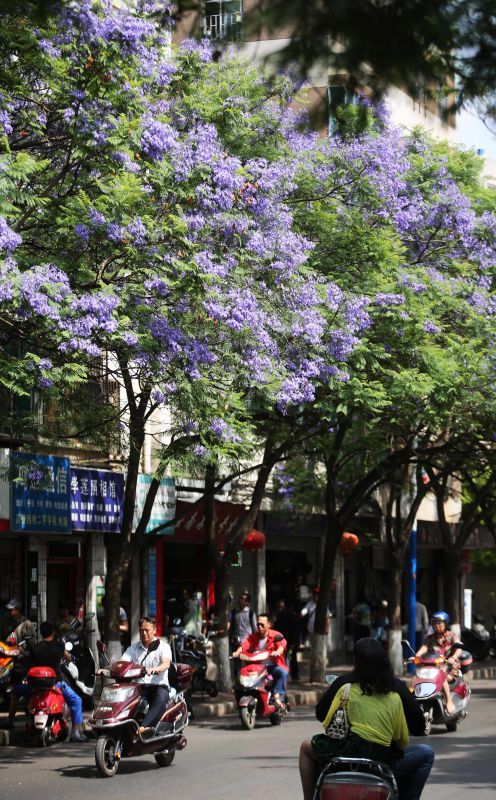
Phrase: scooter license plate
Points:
(40, 720)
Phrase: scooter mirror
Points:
(330, 678)
(89, 615)
(278, 638)
(153, 646)
(177, 622)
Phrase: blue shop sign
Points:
(97, 499)
(40, 494)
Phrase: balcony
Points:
(224, 27)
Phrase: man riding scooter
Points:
(264, 639)
(441, 641)
(155, 684)
(49, 653)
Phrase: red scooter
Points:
(253, 691)
(119, 714)
(46, 708)
(427, 687)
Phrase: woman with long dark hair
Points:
(375, 715)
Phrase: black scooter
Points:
(80, 672)
(477, 639)
(197, 652)
(492, 651)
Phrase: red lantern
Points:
(254, 540)
(348, 543)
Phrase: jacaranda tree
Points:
(145, 224)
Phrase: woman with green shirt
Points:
(375, 715)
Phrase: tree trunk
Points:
(116, 574)
(451, 586)
(221, 658)
(318, 657)
(394, 646)
(120, 550)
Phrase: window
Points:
(339, 97)
(223, 19)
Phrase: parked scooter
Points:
(355, 779)
(477, 639)
(198, 652)
(118, 715)
(253, 691)
(427, 687)
(492, 651)
(46, 708)
(13, 666)
(80, 672)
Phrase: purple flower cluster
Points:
(9, 239)
(157, 139)
(223, 431)
(389, 299)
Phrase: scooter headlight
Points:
(248, 680)
(427, 672)
(113, 695)
(424, 689)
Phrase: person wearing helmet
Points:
(442, 642)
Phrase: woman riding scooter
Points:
(441, 641)
(375, 715)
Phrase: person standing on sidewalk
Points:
(286, 620)
(421, 624)
(243, 623)
(18, 627)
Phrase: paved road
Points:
(223, 762)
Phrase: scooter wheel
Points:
(105, 758)
(164, 759)
(247, 715)
(42, 738)
(275, 719)
(451, 727)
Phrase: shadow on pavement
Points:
(89, 772)
(479, 767)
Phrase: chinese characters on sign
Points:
(40, 494)
(97, 498)
(164, 507)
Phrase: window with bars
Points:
(223, 20)
(339, 96)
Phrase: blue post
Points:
(412, 589)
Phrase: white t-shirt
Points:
(310, 610)
(137, 653)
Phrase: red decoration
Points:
(348, 543)
(254, 540)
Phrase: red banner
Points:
(190, 528)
